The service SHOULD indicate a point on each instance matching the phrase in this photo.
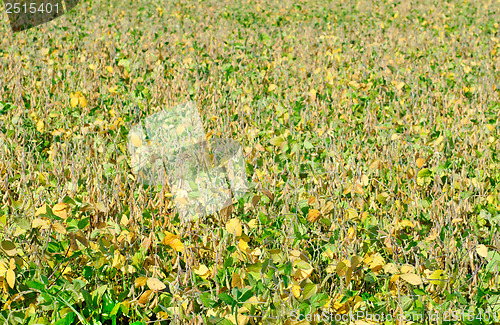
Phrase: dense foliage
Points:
(371, 136)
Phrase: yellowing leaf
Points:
(253, 224)
(9, 248)
(136, 140)
(59, 228)
(82, 101)
(313, 215)
(40, 223)
(312, 93)
(400, 85)
(176, 244)
(39, 126)
(109, 69)
(406, 223)
(237, 281)
(202, 271)
(140, 281)
(100, 206)
(233, 226)
(74, 101)
(41, 210)
(173, 241)
(352, 214)
(356, 260)
(276, 141)
(272, 87)
(407, 268)
(420, 162)
(482, 251)
(144, 298)
(60, 210)
(327, 208)
(243, 246)
(391, 268)
(411, 278)
(11, 278)
(155, 284)
(296, 290)
(3, 268)
(180, 128)
(118, 260)
(437, 277)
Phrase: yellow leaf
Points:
(233, 226)
(74, 101)
(100, 206)
(60, 210)
(136, 140)
(155, 284)
(3, 268)
(202, 271)
(11, 278)
(173, 241)
(59, 228)
(391, 268)
(237, 281)
(406, 223)
(296, 290)
(82, 101)
(41, 210)
(272, 87)
(400, 85)
(482, 251)
(243, 246)
(407, 268)
(144, 298)
(411, 278)
(118, 260)
(313, 215)
(437, 277)
(140, 281)
(365, 180)
(312, 93)
(40, 223)
(39, 126)
(176, 244)
(180, 128)
(327, 208)
(358, 188)
(109, 69)
(352, 214)
(253, 223)
(420, 162)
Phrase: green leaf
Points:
(310, 289)
(424, 172)
(227, 298)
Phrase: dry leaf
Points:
(144, 298)
(140, 281)
(482, 251)
(313, 215)
(59, 228)
(233, 226)
(327, 208)
(60, 210)
(155, 284)
(41, 210)
(411, 278)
